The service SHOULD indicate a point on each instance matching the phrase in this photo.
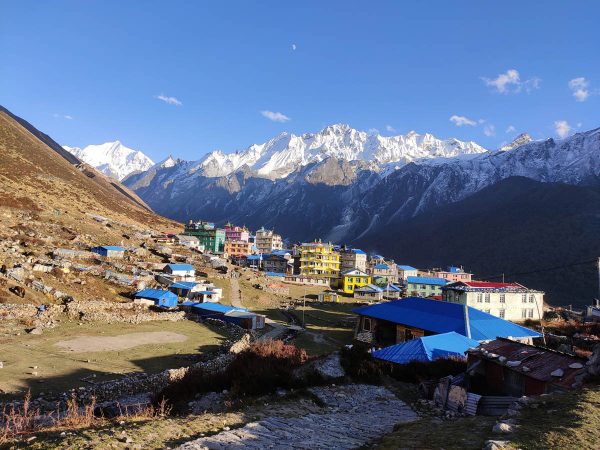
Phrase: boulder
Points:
(240, 345)
(503, 427)
(557, 373)
(576, 366)
(495, 445)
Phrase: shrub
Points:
(360, 364)
(260, 369)
(264, 367)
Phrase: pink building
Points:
(452, 274)
(235, 233)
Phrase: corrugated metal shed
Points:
(539, 363)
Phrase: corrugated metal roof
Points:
(427, 348)
(540, 362)
(443, 317)
(406, 267)
(427, 280)
(154, 294)
(115, 248)
(184, 285)
(355, 272)
(381, 266)
(358, 251)
(216, 307)
(369, 288)
(180, 266)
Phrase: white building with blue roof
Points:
(425, 286)
(352, 258)
(181, 272)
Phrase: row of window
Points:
(502, 298)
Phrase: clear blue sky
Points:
(87, 72)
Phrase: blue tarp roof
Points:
(154, 294)
(115, 248)
(183, 285)
(442, 317)
(369, 288)
(358, 251)
(253, 257)
(427, 348)
(453, 269)
(406, 267)
(381, 266)
(180, 266)
(427, 280)
(377, 256)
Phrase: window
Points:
(366, 324)
(524, 313)
(502, 313)
(530, 313)
(487, 298)
(524, 298)
(423, 286)
(502, 298)
(479, 298)
(532, 298)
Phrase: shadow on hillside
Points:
(92, 373)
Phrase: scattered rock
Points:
(240, 345)
(36, 330)
(576, 366)
(503, 427)
(557, 373)
(513, 363)
(496, 445)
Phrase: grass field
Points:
(36, 362)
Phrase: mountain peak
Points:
(113, 158)
(521, 139)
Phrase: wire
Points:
(547, 269)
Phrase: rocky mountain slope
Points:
(113, 159)
(39, 177)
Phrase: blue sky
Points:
(87, 72)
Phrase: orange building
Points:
(238, 248)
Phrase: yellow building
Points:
(354, 279)
(318, 260)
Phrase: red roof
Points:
(491, 285)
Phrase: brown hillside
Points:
(35, 176)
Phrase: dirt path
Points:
(120, 342)
(234, 296)
(353, 416)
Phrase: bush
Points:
(260, 369)
(264, 367)
(360, 365)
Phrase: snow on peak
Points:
(283, 154)
(112, 158)
(521, 139)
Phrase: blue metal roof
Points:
(377, 256)
(427, 280)
(392, 288)
(381, 266)
(369, 288)
(115, 248)
(216, 307)
(406, 267)
(180, 266)
(183, 285)
(358, 251)
(453, 269)
(355, 272)
(427, 348)
(154, 294)
(253, 257)
(275, 274)
(442, 317)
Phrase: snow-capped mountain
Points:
(345, 200)
(280, 156)
(113, 159)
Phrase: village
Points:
(470, 347)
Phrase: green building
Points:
(211, 237)
(424, 286)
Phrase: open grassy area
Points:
(36, 362)
(561, 421)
